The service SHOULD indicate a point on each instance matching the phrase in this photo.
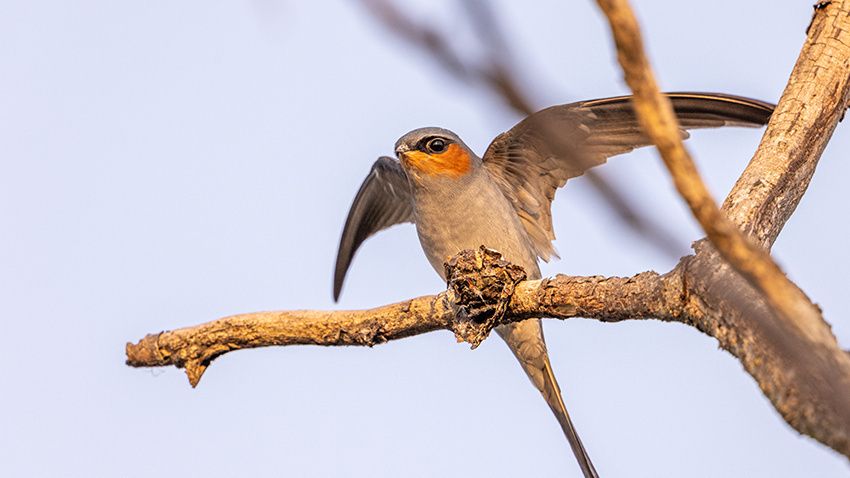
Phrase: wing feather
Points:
(384, 199)
(538, 155)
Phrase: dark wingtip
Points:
(743, 110)
(338, 280)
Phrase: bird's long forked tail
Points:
(552, 394)
(525, 339)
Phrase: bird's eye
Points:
(436, 145)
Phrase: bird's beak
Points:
(400, 151)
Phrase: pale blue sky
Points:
(165, 163)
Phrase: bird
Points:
(502, 200)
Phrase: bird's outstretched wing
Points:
(543, 151)
(384, 199)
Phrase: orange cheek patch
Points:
(453, 162)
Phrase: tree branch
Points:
(193, 348)
(814, 101)
(807, 380)
(797, 339)
(798, 330)
(481, 273)
(656, 117)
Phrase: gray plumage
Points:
(504, 200)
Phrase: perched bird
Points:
(503, 201)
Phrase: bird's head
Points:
(434, 152)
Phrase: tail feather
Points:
(525, 340)
(552, 394)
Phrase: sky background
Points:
(166, 163)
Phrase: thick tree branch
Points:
(814, 101)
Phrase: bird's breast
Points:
(457, 216)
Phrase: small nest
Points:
(481, 284)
